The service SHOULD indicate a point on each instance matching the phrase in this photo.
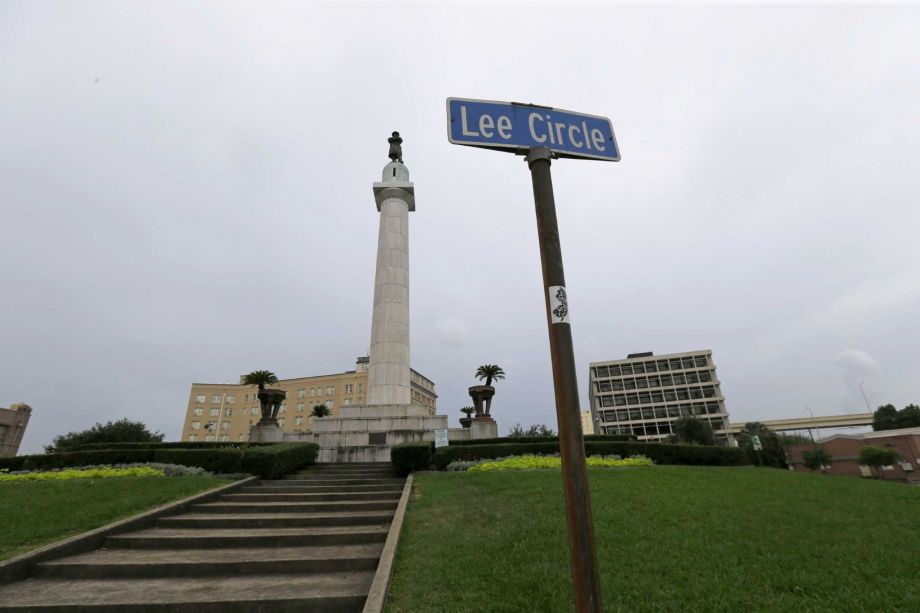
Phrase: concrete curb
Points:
(377, 597)
(19, 567)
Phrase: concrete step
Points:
(295, 507)
(314, 497)
(152, 563)
(274, 520)
(352, 474)
(279, 487)
(321, 480)
(327, 592)
(218, 538)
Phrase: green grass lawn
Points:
(40, 512)
(669, 538)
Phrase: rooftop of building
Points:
(646, 355)
(869, 435)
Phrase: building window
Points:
(241, 438)
(360, 387)
(298, 420)
(300, 407)
(215, 398)
(196, 425)
(215, 411)
(301, 393)
(225, 425)
(349, 388)
(209, 438)
(192, 438)
(228, 412)
(330, 390)
(280, 421)
(283, 408)
(231, 399)
(348, 402)
(225, 437)
(199, 398)
(328, 404)
(198, 411)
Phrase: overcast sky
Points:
(185, 195)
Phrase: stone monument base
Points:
(483, 428)
(266, 432)
(367, 433)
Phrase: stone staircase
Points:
(308, 542)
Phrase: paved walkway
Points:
(308, 542)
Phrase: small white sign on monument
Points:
(440, 438)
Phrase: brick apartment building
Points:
(845, 448)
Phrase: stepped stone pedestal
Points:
(266, 432)
(366, 433)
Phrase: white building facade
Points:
(645, 394)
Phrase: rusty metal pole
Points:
(585, 576)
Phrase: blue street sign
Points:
(510, 126)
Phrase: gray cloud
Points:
(185, 195)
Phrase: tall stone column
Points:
(388, 371)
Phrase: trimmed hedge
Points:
(170, 445)
(273, 461)
(526, 440)
(266, 461)
(660, 453)
(409, 457)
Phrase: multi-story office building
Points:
(225, 412)
(645, 394)
(13, 422)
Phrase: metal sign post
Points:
(544, 133)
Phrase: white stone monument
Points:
(366, 433)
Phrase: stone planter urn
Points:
(466, 421)
(482, 401)
(271, 402)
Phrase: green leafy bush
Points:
(13, 463)
(409, 457)
(123, 430)
(660, 453)
(271, 462)
(541, 439)
(532, 462)
(268, 462)
(169, 445)
(91, 473)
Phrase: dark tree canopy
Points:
(816, 458)
(490, 372)
(121, 431)
(772, 453)
(321, 410)
(693, 430)
(518, 431)
(792, 439)
(260, 378)
(468, 411)
(887, 417)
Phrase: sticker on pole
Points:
(558, 305)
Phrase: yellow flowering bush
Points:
(92, 473)
(530, 462)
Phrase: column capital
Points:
(404, 190)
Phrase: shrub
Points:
(212, 460)
(660, 453)
(409, 457)
(170, 445)
(541, 439)
(86, 473)
(13, 463)
(531, 462)
(268, 462)
(816, 458)
(876, 457)
(274, 461)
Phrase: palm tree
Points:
(490, 372)
(260, 378)
(468, 411)
(321, 410)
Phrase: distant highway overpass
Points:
(805, 423)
